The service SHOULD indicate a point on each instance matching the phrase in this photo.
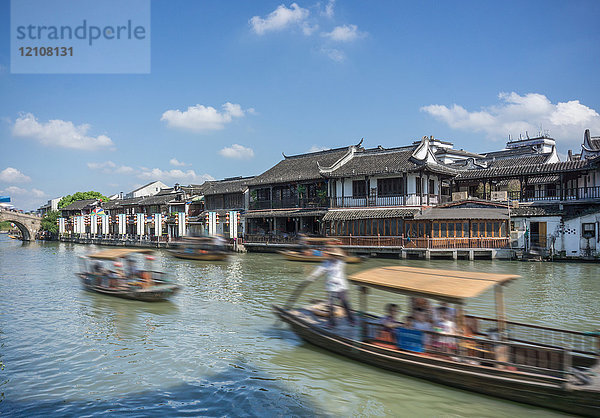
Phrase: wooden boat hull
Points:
(296, 256)
(514, 386)
(198, 256)
(155, 293)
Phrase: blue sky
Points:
(234, 84)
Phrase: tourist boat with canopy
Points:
(312, 250)
(533, 364)
(115, 272)
(199, 248)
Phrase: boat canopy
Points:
(116, 253)
(445, 285)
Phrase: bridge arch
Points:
(29, 225)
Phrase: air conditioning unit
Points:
(459, 196)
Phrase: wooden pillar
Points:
(562, 193)
(363, 311)
(427, 184)
(421, 187)
(405, 185)
(343, 203)
(500, 316)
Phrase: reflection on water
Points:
(216, 348)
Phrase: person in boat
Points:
(337, 285)
(390, 321)
(132, 270)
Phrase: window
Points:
(588, 230)
(359, 188)
(451, 229)
(431, 188)
(551, 190)
(443, 230)
(436, 230)
(418, 185)
(389, 187)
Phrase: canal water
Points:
(216, 348)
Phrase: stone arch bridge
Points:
(29, 225)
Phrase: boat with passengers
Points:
(313, 250)
(200, 249)
(533, 364)
(117, 272)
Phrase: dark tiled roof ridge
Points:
(312, 154)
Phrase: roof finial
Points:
(361, 141)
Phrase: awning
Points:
(297, 213)
(446, 285)
(353, 214)
(117, 253)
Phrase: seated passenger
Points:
(421, 322)
(389, 321)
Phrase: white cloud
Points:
(201, 118)
(12, 175)
(14, 190)
(518, 114)
(59, 133)
(279, 19)
(328, 12)
(334, 54)
(19, 191)
(175, 175)
(177, 163)
(345, 33)
(237, 151)
(317, 148)
(37, 192)
(109, 167)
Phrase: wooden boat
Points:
(198, 248)
(201, 255)
(314, 256)
(313, 251)
(99, 275)
(532, 364)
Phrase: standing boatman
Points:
(336, 283)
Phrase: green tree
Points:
(49, 222)
(67, 200)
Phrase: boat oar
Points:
(296, 293)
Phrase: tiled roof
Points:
(384, 161)
(299, 167)
(80, 204)
(441, 151)
(595, 143)
(521, 169)
(284, 213)
(159, 199)
(352, 214)
(510, 153)
(233, 185)
(546, 210)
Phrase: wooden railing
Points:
(388, 201)
(578, 342)
(391, 241)
(577, 193)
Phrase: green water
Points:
(216, 348)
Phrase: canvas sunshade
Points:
(446, 285)
(117, 253)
